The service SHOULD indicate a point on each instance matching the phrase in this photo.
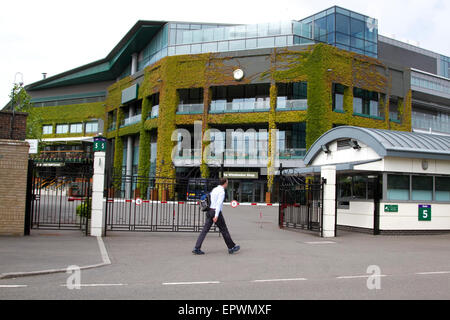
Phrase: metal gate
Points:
(135, 203)
(60, 197)
(301, 203)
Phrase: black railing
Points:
(157, 204)
(301, 203)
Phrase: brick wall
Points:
(19, 125)
(13, 185)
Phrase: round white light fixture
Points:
(238, 74)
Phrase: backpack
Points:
(205, 202)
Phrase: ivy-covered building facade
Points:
(201, 100)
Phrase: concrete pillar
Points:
(98, 181)
(329, 201)
(129, 167)
(134, 63)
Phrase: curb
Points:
(104, 254)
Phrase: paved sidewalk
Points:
(47, 250)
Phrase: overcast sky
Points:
(56, 36)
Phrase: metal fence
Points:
(158, 204)
(60, 197)
(301, 203)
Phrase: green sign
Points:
(99, 144)
(424, 212)
(390, 208)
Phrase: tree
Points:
(21, 101)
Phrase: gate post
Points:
(98, 184)
(329, 201)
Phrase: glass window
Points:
(263, 29)
(357, 105)
(398, 187)
(91, 127)
(280, 42)
(222, 46)
(359, 187)
(76, 128)
(196, 48)
(357, 43)
(209, 47)
(342, 24)
(422, 188)
(219, 34)
(330, 23)
(250, 43)
(442, 188)
(266, 42)
(62, 128)
(47, 129)
(343, 38)
(345, 187)
(237, 45)
(357, 28)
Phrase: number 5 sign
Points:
(424, 212)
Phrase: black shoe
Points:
(197, 252)
(233, 250)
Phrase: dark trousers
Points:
(222, 227)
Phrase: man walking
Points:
(214, 215)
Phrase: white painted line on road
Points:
(358, 277)
(436, 272)
(99, 285)
(13, 286)
(280, 280)
(189, 283)
(321, 242)
(103, 251)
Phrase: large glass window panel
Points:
(209, 47)
(357, 105)
(342, 24)
(263, 29)
(343, 47)
(196, 48)
(374, 108)
(342, 39)
(331, 38)
(76, 128)
(371, 47)
(197, 36)
(266, 42)
(398, 187)
(222, 46)
(218, 34)
(320, 28)
(183, 49)
(274, 29)
(286, 27)
(252, 31)
(442, 188)
(250, 43)
(330, 23)
(371, 30)
(237, 45)
(359, 187)
(422, 188)
(208, 35)
(91, 127)
(185, 37)
(280, 41)
(47, 129)
(339, 102)
(357, 43)
(342, 11)
(62, 128)
(345, 187)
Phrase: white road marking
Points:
(103, 251)
(358, 277)
(99, 285)
(437, 272)
(189, 283)
(321, 242)
(13, 286)
(280, 280)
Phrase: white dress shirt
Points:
(217, 198)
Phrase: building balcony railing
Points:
(193, 108)
(75, 156)
(240, 105)
(131, 120)
(291, 105)
(287, 154)
(437, 123)
(293, 153)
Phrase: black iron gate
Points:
(155, 204)
(301, 203)
(60, 196)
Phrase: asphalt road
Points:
(273, 264)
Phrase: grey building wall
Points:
(406, 58)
